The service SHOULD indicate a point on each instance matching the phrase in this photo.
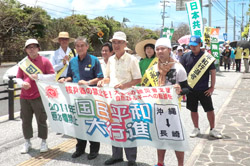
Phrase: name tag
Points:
(87, 69)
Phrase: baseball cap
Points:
(180, 48)
(194, 40)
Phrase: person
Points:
(107, 52)
(179, 53)
(122, 72)
(89, 74)
(199, 91)
(238, 56)
(30, 100)
(62, 55)
(232, 58)
(145, 49)
(226, 57)
(245, 59)
(168, 72)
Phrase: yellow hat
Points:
(64, 35)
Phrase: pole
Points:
(163, 14)
(226, 16)
(209, 12)
(242, 19)
(234, 22)
(11, 98)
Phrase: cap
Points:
(194, 40)
(119, 36)
(31, 41)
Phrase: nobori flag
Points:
(195, 18)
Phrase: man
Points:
(107, 51)
(122, 72)
(62, 56)
(226, 57)
(245, 59)
(199, 90)
(238, 56)
(31, 68)
(89, 74)
(179, 53)
(168, 72)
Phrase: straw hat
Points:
(63, 35)
(139, 48)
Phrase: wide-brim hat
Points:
(64, 35)
(119, 36)
(139, 48)
(31, 41)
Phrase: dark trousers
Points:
(237, 62)
(81, 145)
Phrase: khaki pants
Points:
(28, 107)
(246, 64)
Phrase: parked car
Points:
(13, 70)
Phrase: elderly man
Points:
(199, 88)
(39, 68)
(62, 56)
(122, 72)
(89, 74)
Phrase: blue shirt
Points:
(87, 69)
(188, 61)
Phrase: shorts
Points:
(193, 98)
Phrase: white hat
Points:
(180, 48)
(119, 36)
(31, 41)
(163, 42)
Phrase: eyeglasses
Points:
(32, 47)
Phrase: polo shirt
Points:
(123, 70)
(188, 61)
(45, 66)
(86, 69)
(238, 54)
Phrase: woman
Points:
(145, 49)
(168, 72)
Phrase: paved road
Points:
(12, 139)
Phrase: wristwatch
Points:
(88, 82)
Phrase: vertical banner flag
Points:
(215, 50)
(207, 33)
(195, 18)
(168, 33)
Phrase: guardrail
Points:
(11, 96)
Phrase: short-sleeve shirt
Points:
(87, 69)
(188, 61)
(45, 66)
(176, 74)
(122, 70)
(238, 54)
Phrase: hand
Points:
(209, 92)
(100, 83)
(120, 86)
(62, 80)
(177, 88)
(26, 85)
(82, 82)
(65, 59)
(34, 76)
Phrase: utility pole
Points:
(209, 12)
(73, 11)
(242, 20)
(226, 16)
(234, 22)
(163, 14)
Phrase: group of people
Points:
(120, 70)
(231, 56)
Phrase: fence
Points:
(11, 96)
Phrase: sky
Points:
(146, 13)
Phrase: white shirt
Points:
(103, 66)
(57, 60)
(123, 70)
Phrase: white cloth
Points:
(103, 66)
(123, 70)
(57, 60)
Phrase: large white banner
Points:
(124, 118)
(195, 18)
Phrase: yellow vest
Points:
(238, 54)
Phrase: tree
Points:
(182, 30)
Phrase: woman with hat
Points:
(62, 56)
(226, 56)
(145, 49)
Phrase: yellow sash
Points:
(144, 80)
(28, 67)
(59, 73)
(199, 69)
